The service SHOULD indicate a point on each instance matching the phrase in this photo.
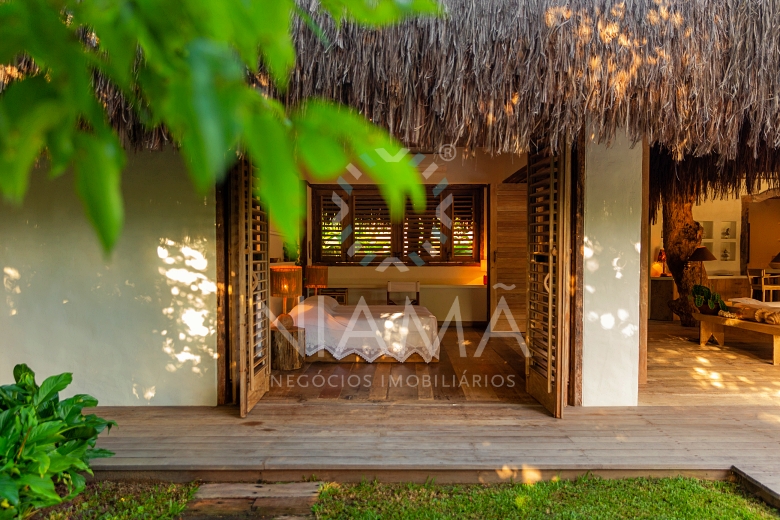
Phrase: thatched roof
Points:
(700, 78)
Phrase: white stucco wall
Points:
(613, 227)
(134, 328)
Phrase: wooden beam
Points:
(223, 210)
(577, 263)
(519, 177)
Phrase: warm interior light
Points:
(285, 283)
(316, 277)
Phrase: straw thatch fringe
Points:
(698, 78)
(687, 74)
(711, 176)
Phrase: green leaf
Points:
(70, 409)
(99, 453)
(8, 490)
(379, 12)
(42, 487)
(99, 162)
(46, 433)
(52, 386)
(277, 178)
(273, 19)
(23, 375)
(204, 110)
(59, 463)
(370, 148)
(28, 109)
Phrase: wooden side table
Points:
(288, 350)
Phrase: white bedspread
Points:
(369, 331)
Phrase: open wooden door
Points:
(250, 335)
(547, 334)
(509, 268)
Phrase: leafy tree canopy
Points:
(183, 63)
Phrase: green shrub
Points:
(44, 442)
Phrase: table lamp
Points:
(316, 277)
(285, 283)
(662, 260)
(775, 263)
(701, 255)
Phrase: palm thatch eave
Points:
(699, 79)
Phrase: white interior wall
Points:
(716, 211)
(137, 327)
(764, 232)
(612, 229)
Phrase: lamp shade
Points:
(702, 254)
(317, 276)
(286, 281)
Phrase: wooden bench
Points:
(714, 327)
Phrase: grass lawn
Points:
(586, 498)
(124, 500)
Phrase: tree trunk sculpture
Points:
(682, 235)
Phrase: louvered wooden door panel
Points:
(547, 332)
(509, 270)
(253, 337)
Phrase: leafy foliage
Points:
(44, 441)
(702, 295)
(183, 64)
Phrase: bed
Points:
(369, 331)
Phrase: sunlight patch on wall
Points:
(183, 265)
(146, 393)
(11, 279)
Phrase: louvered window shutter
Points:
(372, 227)
(330, 227)
(465, 224)
(423, 235)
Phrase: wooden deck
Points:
(704, 410)
(468, 442)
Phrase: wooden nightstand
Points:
(288, 350)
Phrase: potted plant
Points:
(706, 301)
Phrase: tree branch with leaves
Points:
(183, 64)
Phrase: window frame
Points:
(398, 249)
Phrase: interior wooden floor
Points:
(680, 372)
(497, 375)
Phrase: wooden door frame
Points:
(577, 227)
(225, 391)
